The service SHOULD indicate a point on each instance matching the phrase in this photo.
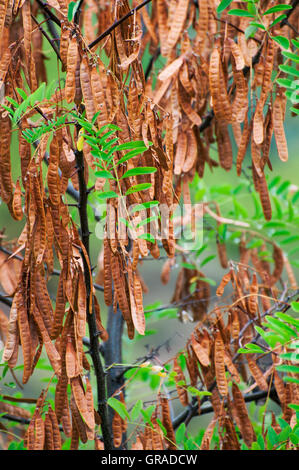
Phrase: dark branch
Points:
(50, 41)
(117, 23)
(91, 319)
(192, 410)
(50, 14)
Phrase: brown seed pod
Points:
(182, 392)
(55, 428)
(117, 430)
(39, 431)
(51, 350)
(72, 59)
(86, 88)
(6, 186)
(279, 133)
(256, 373)
(279, 264)
(177, 24)
(180, 154)
(64, 44)
(202, 353)
(244, 422)
(166, 420)
(71, 360)
(220, 365)
(49, 442)
(12, 331)
(81, 402)
(224, 281)
(252, 300)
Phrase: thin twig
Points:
(117, 23)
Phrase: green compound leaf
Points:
(138, 187)
(119, 407)
(145, 170)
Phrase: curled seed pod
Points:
(224, 281)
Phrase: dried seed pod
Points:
(279, 264)
(220, 365)
(201, 352)
(182, 392)
(86, 88)
(166, 420)
(12, 331)
(72, 59)
(177, 24)
(224, 281)
(55, 428)
(64, 43)
(244, 422)
(117, 430)
(257, 373)
(81, 402)
(252, 300)
(71, 360)
(278, 118)
(49, 442)
(39, 431)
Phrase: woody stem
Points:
(91, 319)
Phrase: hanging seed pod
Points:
(219, 365)
(72, 59)
(182, 392)
(166, 420)
(278, 118)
